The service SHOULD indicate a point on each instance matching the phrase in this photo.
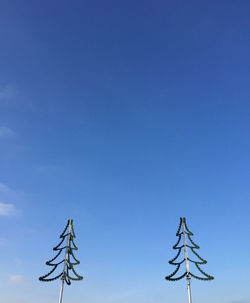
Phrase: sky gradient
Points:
(125, 116)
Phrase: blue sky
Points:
(124, 115)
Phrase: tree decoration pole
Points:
(65, 261)
(185, 233)
(186, 262)
(68, 235)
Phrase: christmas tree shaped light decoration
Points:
(67, 236)
(184, 232)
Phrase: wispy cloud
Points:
(6, 131)
(9, 193)
(18, 261)
(16, 278)
(122, 296)
(9, 198)
(7, 209)
(7, 92)
(50, 168)
(4, 188)
(4, 242)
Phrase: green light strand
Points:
(62, 234)
(179, 228)
(170, 262)
(184, 220)
(194, 244)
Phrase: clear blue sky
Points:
(124, 115)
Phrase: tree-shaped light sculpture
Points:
(67, 236)
(184, 232)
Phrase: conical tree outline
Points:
(68, 266)
(184, 230)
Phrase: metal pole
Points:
(61, 291)
(187, 264)
(65, 262)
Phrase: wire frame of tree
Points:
(64, 257)
(197, 261)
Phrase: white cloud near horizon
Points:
(7, 209)
(6, 131)
(16, 278)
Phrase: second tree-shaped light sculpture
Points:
(183, 233)
(68, 260)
